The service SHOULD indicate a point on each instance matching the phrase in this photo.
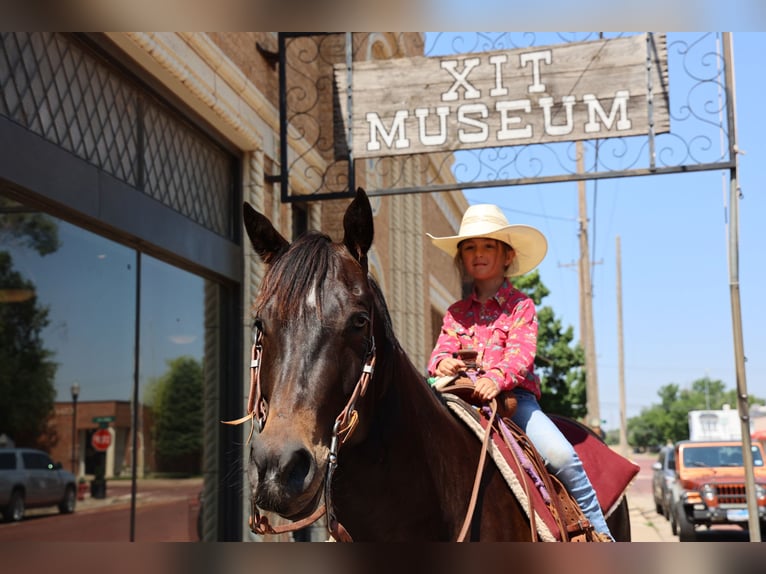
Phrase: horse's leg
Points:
(619, 521)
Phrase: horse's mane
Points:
(404, 368)
(380, 304)
(301, 270)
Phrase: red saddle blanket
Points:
(609, 472)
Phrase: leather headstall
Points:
(344, 426)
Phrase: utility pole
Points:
(620, 356)
(743, 406)
(586, 302)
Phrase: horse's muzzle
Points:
(284, 478)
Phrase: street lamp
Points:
(75, 393)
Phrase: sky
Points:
(402, 15)
(89, 288)
(677, 309)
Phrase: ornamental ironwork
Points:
(317, 161)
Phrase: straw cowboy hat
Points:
(486, 220)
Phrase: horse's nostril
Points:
(290, 467)
(296, 468)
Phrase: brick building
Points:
(117, 417)
(134, 151)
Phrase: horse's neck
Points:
(415, 451)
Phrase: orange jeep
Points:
(710, 486)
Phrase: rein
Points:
(459, 387)
(344, 426)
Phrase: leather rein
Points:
(344, 426)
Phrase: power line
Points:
(540, 215)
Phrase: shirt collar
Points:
(502, 294)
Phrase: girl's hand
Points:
(449, 366)
(485, 389)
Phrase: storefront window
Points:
(73, 306)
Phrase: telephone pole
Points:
(586, 302)
(620, 356)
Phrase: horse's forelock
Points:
(295, 278)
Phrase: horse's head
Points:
(314, 320)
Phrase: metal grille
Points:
(187, 173)
(52, 88)
(55, 88)
(731, 494)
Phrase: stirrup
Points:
(602, 537)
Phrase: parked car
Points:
(30, 479)
(663, 477)
(710, 487)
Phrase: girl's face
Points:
(485, 258)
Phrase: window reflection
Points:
(171, 387)
(28, 367)
(68, 320)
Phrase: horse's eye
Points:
(360, 320)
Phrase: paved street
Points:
(166, 511)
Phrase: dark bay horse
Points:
(345, 418)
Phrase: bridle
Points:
(343, 427)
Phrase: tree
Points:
(27, 227)
(176, 402)
(668, 422)
(27, 370)
(558, 362)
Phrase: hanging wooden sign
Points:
(605, 88)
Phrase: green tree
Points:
(26, 368)
(27, 227)
(27, 371)
(668, 421)
(559, 362)
(176, 402)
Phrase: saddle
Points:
(553, 513)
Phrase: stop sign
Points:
(101, 439)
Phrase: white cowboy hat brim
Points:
(528, 243)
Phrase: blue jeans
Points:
(559, 456)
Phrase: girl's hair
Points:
(458, 260)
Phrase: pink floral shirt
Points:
(504, 333)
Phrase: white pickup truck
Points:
(30, 479)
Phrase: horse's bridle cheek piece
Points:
(344, 426)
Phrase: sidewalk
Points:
(645, 524)
(118, 493)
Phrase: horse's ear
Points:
(267, 241)
(358, 228)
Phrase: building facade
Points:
(123, 263)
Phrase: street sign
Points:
(103, 419)
(101, 439)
